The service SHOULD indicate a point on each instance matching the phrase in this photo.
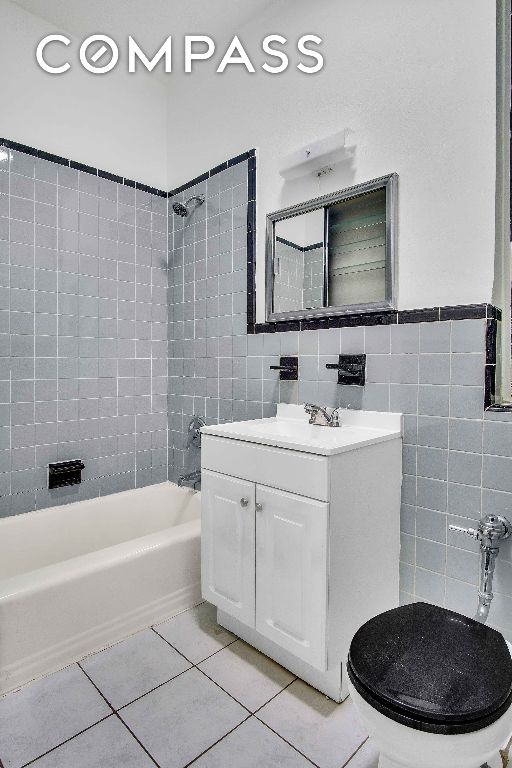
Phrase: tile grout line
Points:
(66, 741)
(116, 714)
(276, 733)
(204, 752)
(156, 688)
(252, 714)
(276, 695)
(139, 742)
(96, 687)
(347, 764)
(196, 666)
(182, 654)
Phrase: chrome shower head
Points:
(181, 209)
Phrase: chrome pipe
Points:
(485, 593)
(491, 531)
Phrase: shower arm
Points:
(491, 531)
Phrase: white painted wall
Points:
(415, 81)
(116, 121)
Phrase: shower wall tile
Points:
(83, 333)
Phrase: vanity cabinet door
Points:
(228, 544)
(291, 573)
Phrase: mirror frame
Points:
(390, 184)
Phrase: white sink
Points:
(290, 428)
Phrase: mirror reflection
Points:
(299, 262)
(357, 250)
(334, 254)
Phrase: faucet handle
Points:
(468, 531)
(491, 530)
(335, 417)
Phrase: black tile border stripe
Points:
(42, 155)
(383, 317)
(249, 155)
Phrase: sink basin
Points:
(290, 428)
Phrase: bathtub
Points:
(78, 577)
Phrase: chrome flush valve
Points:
(491, 530)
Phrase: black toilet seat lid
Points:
(432, 669)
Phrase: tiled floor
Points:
(183, 692)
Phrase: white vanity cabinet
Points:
(300, 534)
(228, 539)
(264, 562)
(291, 573)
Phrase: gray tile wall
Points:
(457, 464)
(83, 332)
(106, 351)
(289, 281)
(208, 310)
(313, 277)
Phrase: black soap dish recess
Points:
(62, 473)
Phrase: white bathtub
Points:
(75, 578)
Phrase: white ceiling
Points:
(149, 21)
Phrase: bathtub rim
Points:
(39, 579)
(118, 495)
(23, 520)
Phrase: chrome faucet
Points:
(193, 441)
(321, 418)
(193, 478)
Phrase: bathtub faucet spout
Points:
(193, 478)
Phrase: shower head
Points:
(181, 209)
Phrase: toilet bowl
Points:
(433, 688)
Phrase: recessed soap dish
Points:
(63, 473)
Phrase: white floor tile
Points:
(326, 732)
(133, 667)
(46, 713)
(366, 757)
(106, 745)
(195, 633)
(252, 745)
(248, 675)
(180, 720)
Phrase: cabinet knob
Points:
(259, 507)
(244, 502)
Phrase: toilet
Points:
(433, 688)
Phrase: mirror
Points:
(333, 255)
(299, 262)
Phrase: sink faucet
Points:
(320, 417)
